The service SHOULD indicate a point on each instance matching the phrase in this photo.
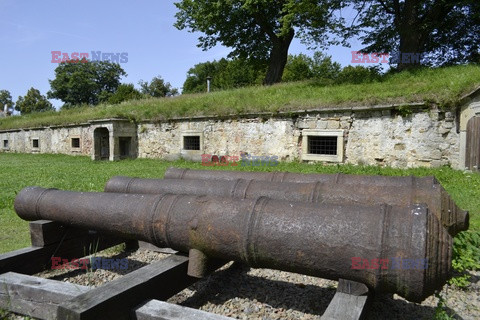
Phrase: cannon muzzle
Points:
(402, 250)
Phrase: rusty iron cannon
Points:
(336, 188)
(359, 243)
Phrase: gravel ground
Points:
(247, 293)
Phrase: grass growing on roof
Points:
(443, 86)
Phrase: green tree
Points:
(259, 30)
(298, 67)
(157, 88)
(197, 77)
(358, 74)
(302, 67)
(33, 101)
(85, 82)
(225, 74)
(444, 31)
(124, 92)
(239, 73)
(324, 68)
(5, 99)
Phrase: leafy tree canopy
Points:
(33, 101)
(324, 71)
(259, 30)
(443, 31)
(124, 92)
(157, 88)
(225, 74)
(5, 99)
(85, 82)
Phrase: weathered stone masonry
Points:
(407, 136)
(424, 138)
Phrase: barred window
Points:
(322, 145)
(75, 143)
(191, 142)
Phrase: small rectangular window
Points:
(5, 144)
(322, 145)
(35, 143)
(191, 142)
(75, 143)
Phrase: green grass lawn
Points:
(82, 174)
(443, 86)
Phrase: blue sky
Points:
(30, 30)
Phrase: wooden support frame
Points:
(119, 299)
(116, 299)
(160, 310)
(33, 296)
(45, 232)
(51, 299)
(350, 302)
(37, 259)
(40, 298)
(54, 240)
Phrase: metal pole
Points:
(208, 83)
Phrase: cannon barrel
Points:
(355, 188)
(336, 178)
(322, 240)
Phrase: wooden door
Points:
(472, 156)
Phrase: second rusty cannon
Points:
(321, 240)
(426, 190)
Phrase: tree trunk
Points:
(278, 58)
(411, 44)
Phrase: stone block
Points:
(322, 124)
(436, 154)
(333, 124)
(302, 124)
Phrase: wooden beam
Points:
(159, 310)
(32, 260)
(351, 301)
(117, 299)
(33, 296)
(45, 232)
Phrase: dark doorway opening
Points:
(125, 144)
(101, 138)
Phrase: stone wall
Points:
(58, 139)
(383, 135)
(50, 140)
(222, 137)
(371, 137)
(424, 139)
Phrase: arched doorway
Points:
(472, 151)
(101, 137)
